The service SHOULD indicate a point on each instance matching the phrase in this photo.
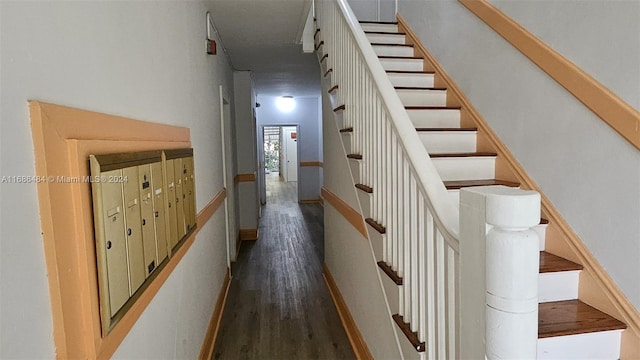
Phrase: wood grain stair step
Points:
(447, 129)
(379, 22)
(393, 275)
(573, 317)
(386, 44)
(385, 33)
(419, 88)
(401, 57)
(379, 228)
(364, 188)
(553, 263)
(409, 72)
(458, 184)
(411, 336)
(432, 108)
(467, 154)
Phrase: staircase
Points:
(567, 327)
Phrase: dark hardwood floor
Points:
(278, 306)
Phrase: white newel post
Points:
(499, 254)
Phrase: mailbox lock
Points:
(144, 222)
(108, 245)
(129, 231)
(157, 214)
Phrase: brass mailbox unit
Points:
(144, 209)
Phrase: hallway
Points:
(278, 306)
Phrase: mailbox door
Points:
(115, 246)
(182, 229)
(133, 228)
(146, 212)
(157, 181)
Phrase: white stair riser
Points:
(377, 242)
(411, 80)
(435, 118)
(386, 38)
(365, 203)
(402, 64)
(382, 50)
(423, 97)
(391, 289)
(346, 142)
(541, 230)
(356, 170)
(339, 119)
(380, 27)
(465, 168)
(558, 286)
(597, 345)
(448, 141)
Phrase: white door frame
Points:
(263, 186)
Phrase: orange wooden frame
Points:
(63, 138)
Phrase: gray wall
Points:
(307, 116)
(144, 60)
(587, 170)
(374, 10)
(601, 37)
(246, 162)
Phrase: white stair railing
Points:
(422, 240)
(421, 244)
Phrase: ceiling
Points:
(264, 36)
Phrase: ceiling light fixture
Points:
(286, 103)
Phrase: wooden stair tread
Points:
(354, 156)
(553, 263)
(572, 317)
(390, 272)
(411, 336)
(419, 88)
(447, 129)
(409, 72)
(386, 44)
(341, 107)
(364, 188)
(432, 108)
(379, 228)
(385, 32)
(400, 57)
(346, 130)
(458, 184)
(466, 154)
(379, 22)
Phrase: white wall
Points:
(246, 140)
(585, 168)
(143, 60)
(307, 116)
(374, 10)
(601, 37)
